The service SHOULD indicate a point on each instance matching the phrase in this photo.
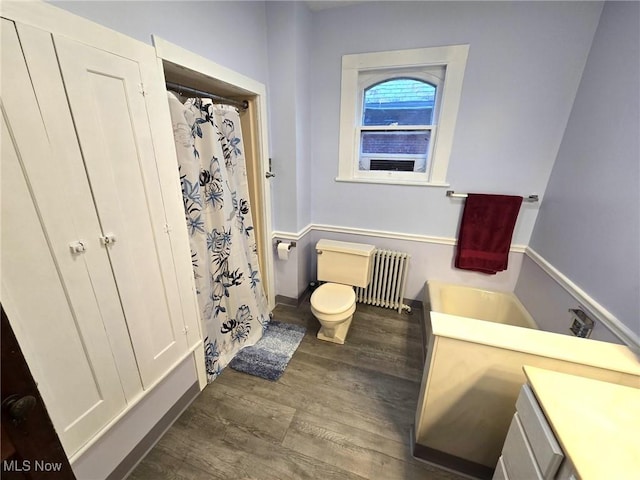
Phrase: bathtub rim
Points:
(435, 286)
(594, 353)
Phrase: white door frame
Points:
(170, 52)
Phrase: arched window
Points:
(399, 101)
(397, 114)
(405, 108)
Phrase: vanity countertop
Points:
(596, 423)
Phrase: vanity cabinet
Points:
(530, 451)
(569, 427)
(96, 271)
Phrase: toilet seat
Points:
(333, 298)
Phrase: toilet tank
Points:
(344, 262)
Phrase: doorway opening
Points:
(189, 69)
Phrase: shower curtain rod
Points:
(241, 104)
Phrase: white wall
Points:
(549, 303)
(293, 275)
(428, 261)
(589, 224)
(288, 45)
(524, 66)
(289, 26)
(303, 115)
(282, 115)
(525, 63)
(230, 33)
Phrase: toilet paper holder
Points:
(291, 245)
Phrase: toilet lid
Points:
(332, 298)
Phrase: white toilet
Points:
(344, 265)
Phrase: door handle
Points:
(18, 407)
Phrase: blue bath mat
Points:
(271, 354)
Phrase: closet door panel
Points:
(45, 287)
(162, 133)
(38, 50)
(110, 115)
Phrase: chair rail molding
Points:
(409, 237)
(294, 236)
(613, 323)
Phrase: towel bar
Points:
(452, 194)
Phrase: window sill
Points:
(391, 181)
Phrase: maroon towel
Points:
(485, 232)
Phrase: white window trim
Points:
(454, 57)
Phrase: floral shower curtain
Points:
(213, 177)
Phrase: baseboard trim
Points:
(136, 455)
(295, 302)
(408, 237)
(449, 462)
(600, 313)
(289, 301)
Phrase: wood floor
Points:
(338, 412)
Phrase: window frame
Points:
(360, 71)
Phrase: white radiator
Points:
(388, 281)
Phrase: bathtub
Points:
(473, 303)
(476, 343)
(477, 303)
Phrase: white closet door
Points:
(46, 289)
(68, 165)
(108, 106)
